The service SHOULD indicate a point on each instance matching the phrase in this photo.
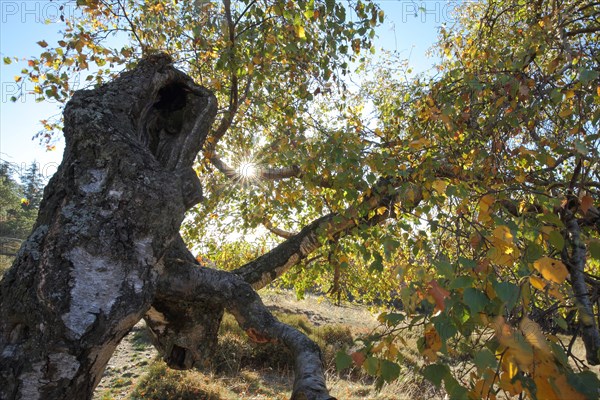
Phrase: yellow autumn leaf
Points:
(509, 364)
(551, 269)
(439, 186)
(484, 386)
(485, 204)
(418, 144)
(537, 283)
(502, 233)
(300, 32)
(586, 203)
(563, 388)
(504, 251)
(534, 336)
(518, 351)
(507, 384)
(392, 351)
(433, 344)
(565, 112)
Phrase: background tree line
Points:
(20, 197)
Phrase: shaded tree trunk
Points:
(105, 250)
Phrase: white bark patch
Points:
(266, 278)
(145, 257)
(116, 194)
(96, 280)
(308, 245)
(144, 252)
(135, 281)
(95, 181)
(31, 382)
(65, 366)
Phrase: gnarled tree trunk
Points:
(105, 250)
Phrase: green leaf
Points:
(508, 293)
(594, 247)
(533, 252)
(445, 327)
(445, 268)
(485, 359)
(389, 370)
(552, 219)
(7, 60)
(330, 4)
(393, 319)
(585, 382)
(461, 282)
(435, 373)
(587, 75)
(557, 240)
(389, 247)
(371, 365)
(342, 360)
(475, 299)
(455, 390)
(559, 353)
(377, 264)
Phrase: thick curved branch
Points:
(261, 271)
(188, 282)
(277, 231)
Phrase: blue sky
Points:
(410, 28)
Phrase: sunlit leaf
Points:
(551, 269)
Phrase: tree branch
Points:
(183, 279)
(277, 231)
(576, 263)
(233, 92)
(272, 174)
(276, 262)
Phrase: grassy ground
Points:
(242, 370)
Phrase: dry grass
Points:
(243, 370)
